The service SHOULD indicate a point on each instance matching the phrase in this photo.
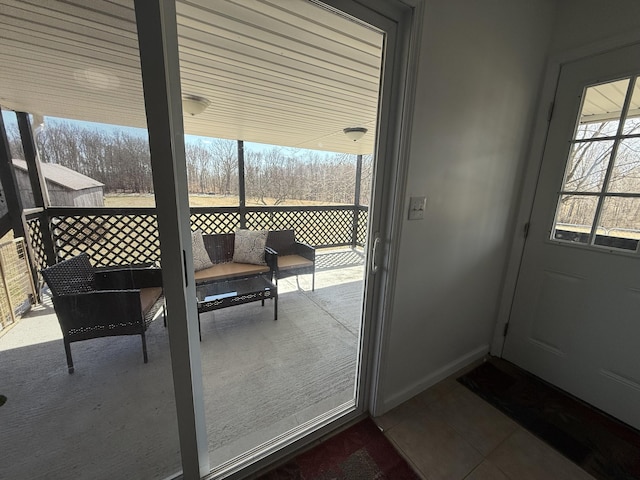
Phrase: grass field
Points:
(141, 200)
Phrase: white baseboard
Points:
(450, 368)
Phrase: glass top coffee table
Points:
(227, 293)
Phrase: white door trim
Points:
(531, 170)
(408, 78)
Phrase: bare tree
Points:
(199, 168)
(225, 158)
(589, 162)
(275, 175)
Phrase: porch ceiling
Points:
(283, 73)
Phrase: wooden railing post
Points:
(38, 185)
(241, 186)
(47, 238)
(356, 202)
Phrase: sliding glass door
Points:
(266, 93)
(269, 90)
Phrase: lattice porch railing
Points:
(36, 241)
(362, 226)
(317, 226)
(108, 236)
(124, 236)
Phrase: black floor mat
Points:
(605, 447)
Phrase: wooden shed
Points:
(67, 188)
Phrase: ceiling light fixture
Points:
(194, 105)
(355, 133)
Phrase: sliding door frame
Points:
(400, 20)
(160, 65)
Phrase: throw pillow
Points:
(201, 258)
(249, 246)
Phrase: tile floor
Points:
(449, 433)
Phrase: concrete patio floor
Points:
(115, 416)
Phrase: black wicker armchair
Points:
(94, 302)
(294, 258)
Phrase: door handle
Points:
(374, 256)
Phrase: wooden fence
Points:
(17, 291)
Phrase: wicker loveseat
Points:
(92, 303)
(220, 248)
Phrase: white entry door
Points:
(575, 320)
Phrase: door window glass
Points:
(587, 166)
(625, 176)
(632, 122)
(619, 224)
(599, 202)
(575, 217)
(601, 110)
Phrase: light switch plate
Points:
(417, 206)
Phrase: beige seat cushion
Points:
(229, 270)
(148, 297)
(293, 261)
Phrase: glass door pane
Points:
(270, 90)
(76, 68)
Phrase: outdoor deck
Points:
(261, 378)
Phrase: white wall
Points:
(584, 22)
(481, 65)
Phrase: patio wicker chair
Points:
(294, 258)
(92, 303)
